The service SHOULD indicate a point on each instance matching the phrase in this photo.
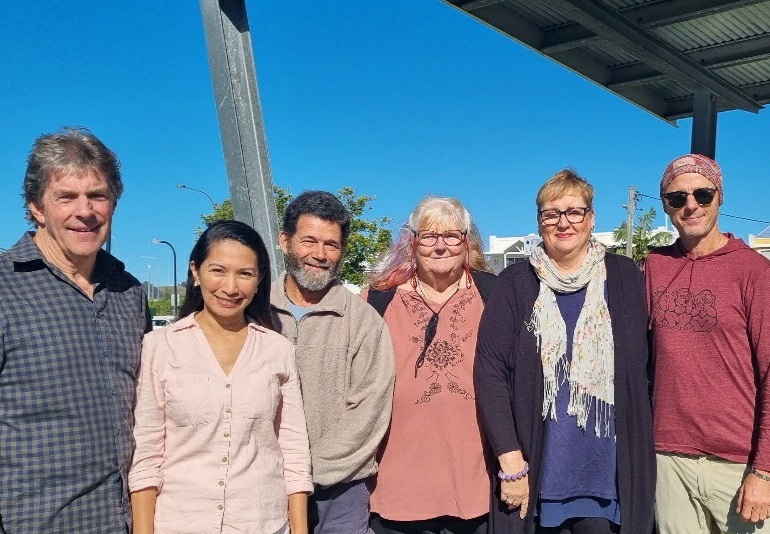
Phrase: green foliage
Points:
(643, 238)
(162, 306)
(369, 238)
(222, 212)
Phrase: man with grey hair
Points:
(71, 326)
(344, 358)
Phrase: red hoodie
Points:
(710, 321)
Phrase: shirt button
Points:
(221, 482)
(114, 393)
(227, 386)
(220, 507)
(227, 410)
(227, 434)
(224, 458)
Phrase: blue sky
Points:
(397, 99)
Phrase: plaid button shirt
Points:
(68, 367)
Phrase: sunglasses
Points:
(704, 196)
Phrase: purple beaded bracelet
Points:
(515, 476)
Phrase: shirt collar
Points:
(26, 251)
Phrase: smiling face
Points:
(695, 223)
(566, 242)
(313, 252)
(440, 259)
(228, 278)
(74, 215)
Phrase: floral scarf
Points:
(591, 374)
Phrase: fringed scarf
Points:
(591, 375)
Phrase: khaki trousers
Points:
(699, 495)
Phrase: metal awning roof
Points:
(657, 54)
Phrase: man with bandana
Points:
(709, 301)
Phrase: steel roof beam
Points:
(651, 50)
(714, 57)
(648, 16)
(478, 4)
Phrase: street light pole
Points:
(213, 204)
(173, 251)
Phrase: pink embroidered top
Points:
(431, 461)
(223, 450)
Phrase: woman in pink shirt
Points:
(432, 475)
(221, 442)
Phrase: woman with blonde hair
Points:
(561, 371)
(430, 290)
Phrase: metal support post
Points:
(704, 124)
(231, 61)
(631, 206)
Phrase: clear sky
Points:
(397, 99)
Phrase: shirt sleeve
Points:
(292, 434)
(149, 420)
(491, 371)
(353, 439)
(758, 302)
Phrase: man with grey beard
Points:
(344, 358)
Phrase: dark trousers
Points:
(582, 525)
(340, 509)
(438, 525)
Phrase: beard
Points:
(307, 279)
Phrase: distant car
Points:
(159, 321)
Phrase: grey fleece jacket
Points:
(346, 367)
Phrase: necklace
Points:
(430, 328)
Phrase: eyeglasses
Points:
(704, 196)
(451, 238)
(573, 215)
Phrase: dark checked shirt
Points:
(68, 367)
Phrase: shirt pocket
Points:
(188, 402)
(259, 399)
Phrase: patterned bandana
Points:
(697, 163)
(591, 374)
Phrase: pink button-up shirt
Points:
(223, 450)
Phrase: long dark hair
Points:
(259, 308)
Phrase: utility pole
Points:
(631, 207)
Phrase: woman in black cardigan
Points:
(561, 381)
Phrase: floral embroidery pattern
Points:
(444, 354)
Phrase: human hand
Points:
(516, 495)
(754, 498)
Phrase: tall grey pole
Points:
(630, 221)
(173, 252)
(233, 73)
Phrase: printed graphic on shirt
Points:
(443, 355)
(680, 309)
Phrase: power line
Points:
(721, 214)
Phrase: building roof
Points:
(654, 53)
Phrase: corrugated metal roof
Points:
(655, 53)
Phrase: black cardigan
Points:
(508, 375)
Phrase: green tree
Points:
(369, 237)
(643, 239)
(161, 306)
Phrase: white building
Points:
(505, 251)
(761, 242)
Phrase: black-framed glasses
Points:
(573, 215)
(704, 196)
(451, 238)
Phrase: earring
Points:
(196, 283)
